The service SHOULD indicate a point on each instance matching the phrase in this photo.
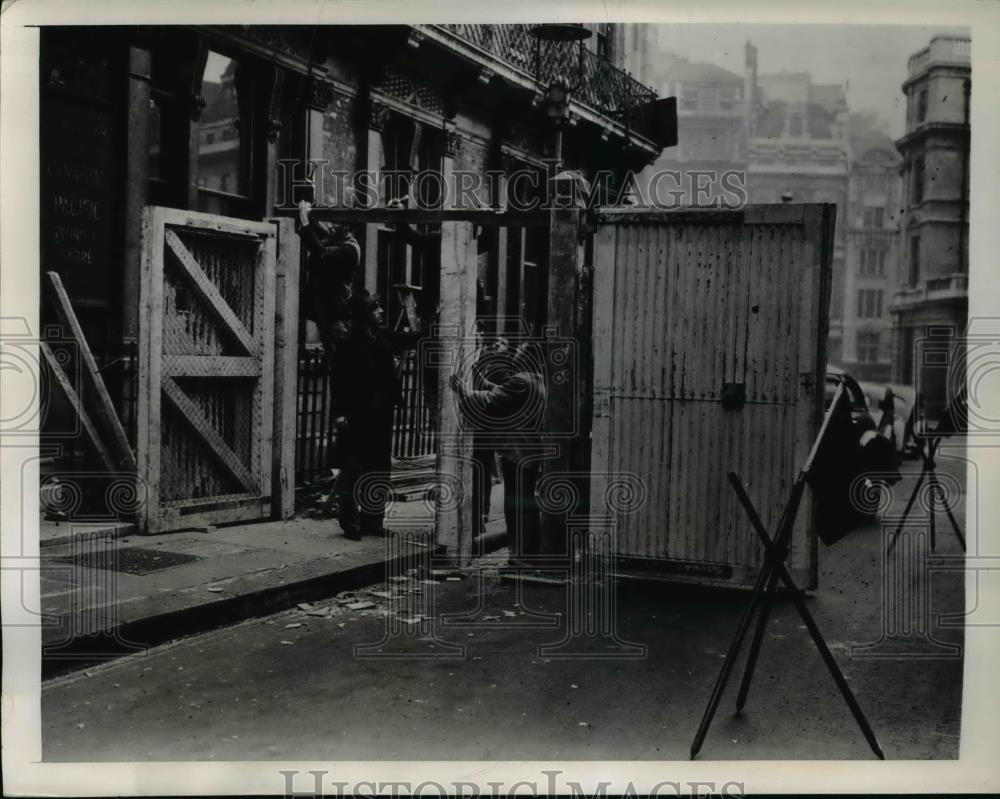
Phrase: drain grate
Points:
(131, 560)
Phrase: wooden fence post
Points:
(286, 362)
(563, 417)
(453, 522)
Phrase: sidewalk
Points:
(294, 686)
(107, 593)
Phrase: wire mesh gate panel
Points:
(206, 363)
(709, 352)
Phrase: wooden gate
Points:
(709, 337)
(207, 411)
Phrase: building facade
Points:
(931, 305)
(799, 152)
(791, 140)
(242, 121)
(871, 258)
(712, 136)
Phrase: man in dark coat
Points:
(334, 255)
(365, 393)
(510, 414)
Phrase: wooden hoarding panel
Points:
(709, 337)
(206, 400)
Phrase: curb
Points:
(78, 530)
(132, 637)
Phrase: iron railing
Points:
(413, 428)
(604, 88)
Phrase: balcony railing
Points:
(942, 49)
(604, 88)
(949, 287)
(956, 284)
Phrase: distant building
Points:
(872, 224)
(799, 152)
(934, 267)
(711, 131)
(793, 140)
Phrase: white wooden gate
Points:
(207, 411)
(709, 352)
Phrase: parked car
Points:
(835, 376)
(904, 404)
(846, 482)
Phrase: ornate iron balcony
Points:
(604, 88)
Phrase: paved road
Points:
(291, 686)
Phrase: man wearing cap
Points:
(365, 393)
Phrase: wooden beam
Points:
(565, 386)
(790, 214)
(602, 310)
(486, 217)
(209, 293)
(373, 155)
(74, 400)
(192, 414)
(147, 438)
(210, 366)
(286, 364)
(105, 413)
(453, 528)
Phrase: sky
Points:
(870, 58)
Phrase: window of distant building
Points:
(207, 119)
(870, 304)
(914, 276)
(867, 346)
(689, 97)
(709, 98)
(727, 98)
(228, 100)
(411, 167)
(872, 261)
(922, 105)
(918, 179)
(874, 217)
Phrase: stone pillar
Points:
(136, 185)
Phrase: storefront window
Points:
(224, 131)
